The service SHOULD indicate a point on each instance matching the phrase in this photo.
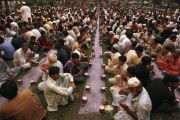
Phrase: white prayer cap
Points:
(115, 46)
(108, 26)
(53, 57)
(23, 2)
(13, 33)
(175, 30)
(111, 32)
(116, 37)
(127, 28)
(121, 26)
(145, 28)
(144, 25)
(133, 82)
(154, 21)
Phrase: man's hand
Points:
(108, 55)
(89, 57)
(85, 63)
(32, 54)
(118, 66)
(123, 105)
(123, 92)
(38, 43)
(44, 67)
(151, 67)
(17, 63)
(124, 77)
(73, 85)
(80, 72)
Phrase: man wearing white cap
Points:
(137, 105)
(113, 60)
(110, 40)
(52, 61)
(25, 12)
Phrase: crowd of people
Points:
(133, 37)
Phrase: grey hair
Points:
(24, 44)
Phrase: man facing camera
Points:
(23, 57)
(58, 89)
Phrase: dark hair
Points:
(65, 33)
(84, 46)
(43, 32)
(53, 70)
(70, 26)
(146, 59)
(1, 40)
(167, 48)
(156, 40)
(61, 42)
(82, 30)
(129, 35)
(134, 43)
(173, 37)
(7, 25)
(123, 58)
(79, 37)
(33, 38)
(150, 31)
(51, 30)
(75, 56)
(131, 70)
(57, 46)
(9, 89)
(139, 48)
(170, 78)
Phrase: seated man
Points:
(82, 53)
(23, 57)
(58, 93)
(6, 73)
(156, 49)
(77, 44)
(35, 45)
(165, 55)
(161, 92)
(143, 70)
(172, 64)
(44, 42)
(61, 54)
(7, 48)
(112, 60)
(75, 68)
(17, 41)
(121, 67)
(120, 83)
(52, 61)
(137, 105)
(134, 56)
(25, 105)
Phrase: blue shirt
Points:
(8, 50)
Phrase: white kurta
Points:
(44, 77)
(141, 105)
(58, 94)
(20, 56)
(25, 12)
